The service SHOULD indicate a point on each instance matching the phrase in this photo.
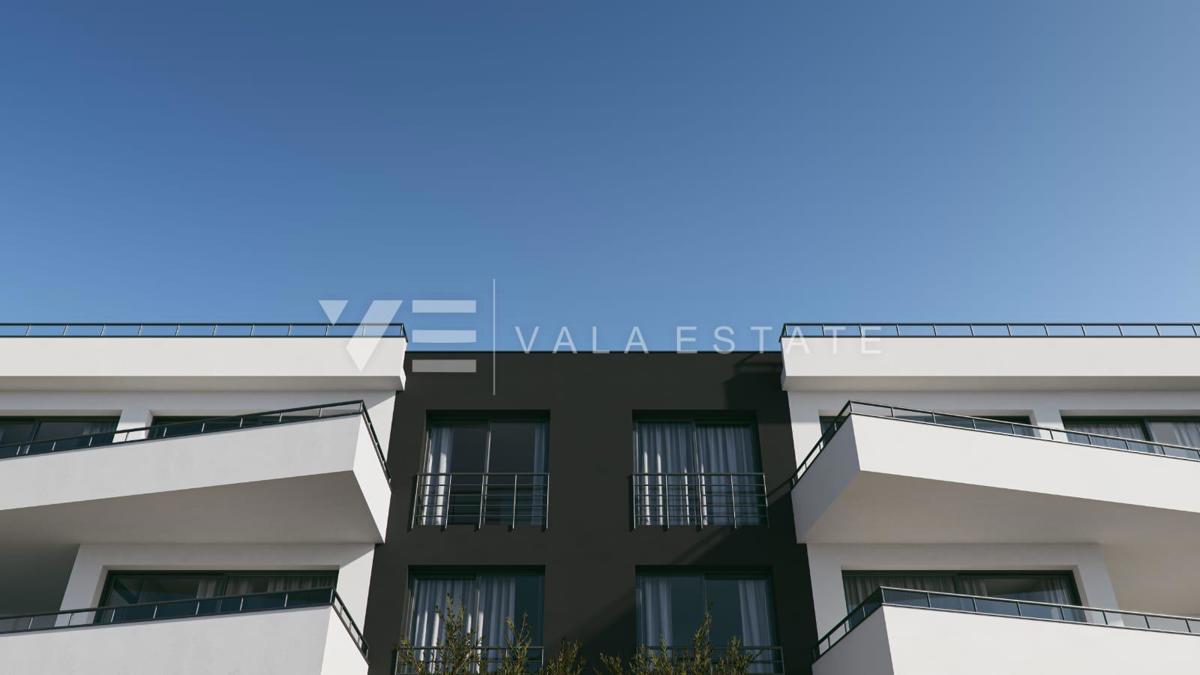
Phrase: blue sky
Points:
(607, 163)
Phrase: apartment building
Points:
(888, 499)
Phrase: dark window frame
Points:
(706, 573)
(38, 420)
(224, 574)
(1143, 421)
(466, 419)
(469, 572)
(955, 575)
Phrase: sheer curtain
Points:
(729, 449)
(754, 605)
(1132, 430)
(1178, 432)
(859, 586)
(430, 597)
(665, 448)
(654, 624)
(437, 461)
(497, 605)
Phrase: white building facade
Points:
(998, 498)
(239, 468)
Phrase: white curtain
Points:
(437, 487)
(654, 610)
(754, 605)
(497, 605)
(263, 583)
(859, 586)
(665, 448)
(1131, 430)
(729, 449)
(429, 601)
(1178, 432)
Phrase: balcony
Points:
(299, 632)
(906, 632)
(699, 499)
(313, 474)
(483, 659)
(512, 499)
(885, 474)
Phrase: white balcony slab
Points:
(892, 481)
(202, 363)
(990, 363)
(911, 641)
(302, 482)
(310, 641)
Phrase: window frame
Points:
(706, 573)
(488, 419)
(955, 575)
(223, 574)
(473, 572)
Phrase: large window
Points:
(671, 606)
(1184, 431)
(484, 471)
(488, 600)
(697, 472)
(45, 434)
(131, 594)
(1050, 587)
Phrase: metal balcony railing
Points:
(223, 329)
(184, 609)
(485, 659)
(1025, 609)
(699, 499)
(951, 329)
(480, 499)
(767, 660)
(196, 427)
(985, 425)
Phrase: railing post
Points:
(449, 500)
(482, 498)
(732, 501)
(514, 508)
(665, 488)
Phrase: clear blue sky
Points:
(609, 163)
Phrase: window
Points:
(484, 471)
(1181, 431)
(130, 594)
(488, 600)
(1019, 425)
(45, 434)
(1050, 587)
(697, 472)
(671, 606)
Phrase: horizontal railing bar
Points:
(349, 408)
(879, 598)
(793, 329)
(326, 597)
(994, 426)
(160, 329)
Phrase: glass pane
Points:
(15, 431)
(670, 608)
(67, 434)
(1177, 432)
(517, 447)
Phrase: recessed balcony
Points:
(303, 632)
(907, 632)
(313, 474)
(886, 474)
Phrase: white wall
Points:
(925, 642)
(1005, 363)
(95, 561)
(826, 562)
(293, 641)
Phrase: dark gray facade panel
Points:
(591, 552)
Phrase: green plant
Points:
(567, 661)
(696, 660)
(458, 654)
